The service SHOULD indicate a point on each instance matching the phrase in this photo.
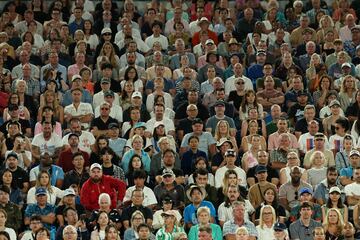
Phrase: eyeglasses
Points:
(240, 83)
(70, 233)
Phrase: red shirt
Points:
(196, 38)
(65, 160)
(91, 191)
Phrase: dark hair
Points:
(97, 219)
(143, 225)
(193, 137)
(106, 65)
(101, 137)
(35, 218)
(244, 101)
(107, 150)
(331, 169)
(43, 229)
(200, 171)
(275, 203)
(330, 81)
(139, 173)
(128, 69)
(156, 23)
(343, 122)
(32, 38)
(169, 150)
(12, 94)
(77, 154)
(91, 29)
(68, 209)
(130, 167)
(13, 182)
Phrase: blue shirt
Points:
(190, 212)
(75, 26)
(167, 85)
(34, 209)
(127, 156)
(117, 145)
(254, 72)
(85, 98)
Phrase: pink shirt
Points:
(39, 129)
(274, 141)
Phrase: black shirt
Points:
(302, 125)
(79, 209)
(73, 177)
(126, 214)
(272, 173)
(236, 99)
(203, 113)
(108, 171)
(114, 86)
(185, 125)
(20, 176)
(25, 124)
(100, 124)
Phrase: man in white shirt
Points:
(127, 32)
(99, 97)
(79, 109)
(238, 73)
(159, 111)
(307, 140)
(86, 139)
(115, 110)
(157, 37)
(352, 191)
(140, 177)
(230, 158)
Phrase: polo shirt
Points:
(83, 109)
(288, 191)
(177, 193)
(299, 231)
(100, 124)
(190, 212)
(230, 228)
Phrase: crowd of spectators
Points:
(178, 119)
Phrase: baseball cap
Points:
(167, 172)
(69, 192)
(113, 125)
(261, 52)
(75, 77)
(203, 19)
(335, 189)
(346, 65)
(305, 190)
(230, 152)
(334, 103)
(354, 152)
(73, 134)
(13, 107)
(139, 125)
(40, 191)
(105, 80)
(279, 226)
(106, 30)
(109, 93)
(260, 169)
(209, 41)
(302, 93)
(95, 165)
(219, 103)
(355, 28)
(136, 94)
(159, 123)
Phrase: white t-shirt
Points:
(306, 142)
(11, 233)
(220, 173)
(162, 39)
(83, 109)
(47, 146)
(51, 197)
(98, 98)
(336, 142)
(351, 189)
(149, 196)
(230, 84)
(115, 112)
(86, 139)
(169, 125)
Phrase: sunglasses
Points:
(167, 176)
(240, 83)
(107, 34)
(319, 139)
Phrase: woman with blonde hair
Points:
(267, 220)
(253, 127)
(326, 23)
(317, 172)
(51, 100)
(347, 91)
(53, 193)
(222, 130)
(333, 224)
(10, 231)
(292, 161)
(109, 51)
(315, 71)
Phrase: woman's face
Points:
(87, 25)
(204, 218)
(319, 235)
(136, 163)
(242, 236)
(137, 144)
(129, 87)
(104, 203)
(86, 75)
(107, 49)
(51, 86)
(334, 196)
(7, 177)
(267, 215)
(253, 127)
(325, 84)
(169, 220)
(318, 159)
(255, 141)
(28, 37)
(200, 164)
(21, 87)
(43, 235)
(2, 219)
(232, 179)
(349, 83)
(253, 114)
(14, 99)
(132, 74)
(112, 234)
(269, 196)
(44, 179)
(160, 130)
(103, 219)
(102, 143)
(78, 36)
(333, 218)
(50, 98)
(137, 220)
(223, 128)
(250, 98)
(107, 157)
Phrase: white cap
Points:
(106, 30)
(95, 165)
(76, 76)
(136, 94)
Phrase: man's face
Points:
(233, 194)
(106, 16)
(137, 198)
(261, 176)
(47, 129)
(96, 174)
(302, 99)
(131, 58)
(76, 96)
(159, 112)
(193, 97)
(73, 141)
(313, 128)
(35, 225)
(139, 182)
(306, 213)
(282, 125)
(144, 233)
(196, 196)
(72, 216)
(295, 175)
(332, 177)
(203, 235)
(12, 162)
(169, 159)
(75, 127)
(4, 197)
(239, 211)
(41, 199)
(46, 160)
(201, 180)
(354, 161)
(306, 197)
(104, 110)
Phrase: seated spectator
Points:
(292, 161)
(204, 220)
(158, 220)
(170, 223)
(317, 172)
(271, 198)
(105, 206)
(101, 222)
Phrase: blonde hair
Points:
(340, 222)
(312, 157)
(343, 88)
(217, 130)
(262, 223)
(112, 54)
(201, 210)
(48, 185)
(242, 230)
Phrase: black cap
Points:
(12, 154)
(197, 120)
(260, 169)
(167, 199)
(302, 93)
(13, 107)
(113, 125)
(73, 134)
(219, 103)
(279, 226)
